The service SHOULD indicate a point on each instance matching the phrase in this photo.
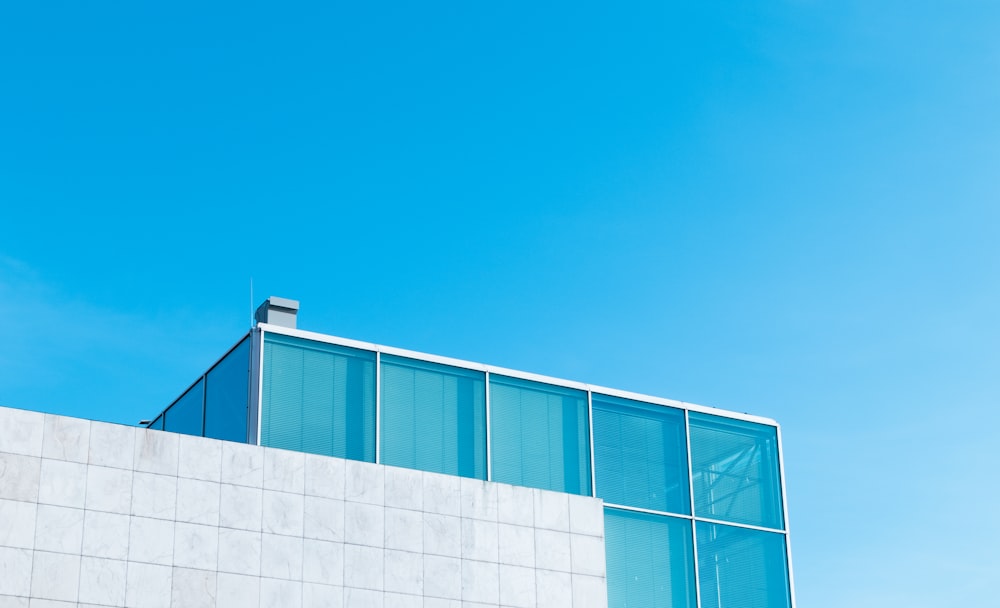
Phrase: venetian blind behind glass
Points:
(741, 568)
(734, 465)
(650, 560)
(318, 398)
(539, 435)
(433, 417)
(640, 455)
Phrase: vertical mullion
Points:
(694, 522)
(378, 406)
(784, 513)
(260, 385)
(590, 440)
(489, 440)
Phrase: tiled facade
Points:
(95, 514)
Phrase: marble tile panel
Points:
(40, 603)
(109, 489)
(278, 593)
(323, 562)
(401, 600)
(55, 576)
(198, 501)
(479, 499)
(587, 554)
(105, 535)
(480, 582)
(111, 445)
(515, 505)
(323, 518)
(363, 598)
(193, 588)
(151, 541)
(62, 483)
(15, 571)
(552, 550)
(364, 482)
(19, 477)
(239, 551)
(586, 515)
(438, 602)
(17, 524)
(404, 530)
(442, 577)
(517, 545)
(324, 476)
(442, 494)
(282, 513)
(281, 556)
(364, 524)
(66, 439)
(404, 488)
(553, 589)
(199, 458)
(315, 595)
(517, 586)
(10, 601)
(589, 591)
(284, 471)
(21, 431)
(551, 510)
(155, 452)
(363, 567)
(154, 495)
(237, 591)
(196, 546)
(404, 572)
(442, 535)
(102, 581)
(480, 540)
(242, 464)
(240, 507)
(59, 529)
(148, 586)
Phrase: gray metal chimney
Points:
(277, 311)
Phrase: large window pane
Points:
(540, 435)
(226, 392)
(318, 398)
(186, 415)
(433, 417)
(640, 455)
(741, 568)
(650, 560)
(735, 471)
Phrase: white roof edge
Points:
(502, 371)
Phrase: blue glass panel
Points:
(539, 435)
(741, 568)
(640, 455)
(187, 414)
(433, 417)
(157, 425)
(318, 398)
(734, 465)
(650, 560)
(226, 395)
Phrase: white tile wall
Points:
(95, 514)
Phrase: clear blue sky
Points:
(789, 208)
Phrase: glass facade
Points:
(318, 398)
(433, 417)
(540, 435)
(694, 512)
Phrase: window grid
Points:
(686, 408)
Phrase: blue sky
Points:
(786, 208)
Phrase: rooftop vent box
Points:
(277, 311)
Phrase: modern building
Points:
(375, 476)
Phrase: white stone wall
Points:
(95, 514)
